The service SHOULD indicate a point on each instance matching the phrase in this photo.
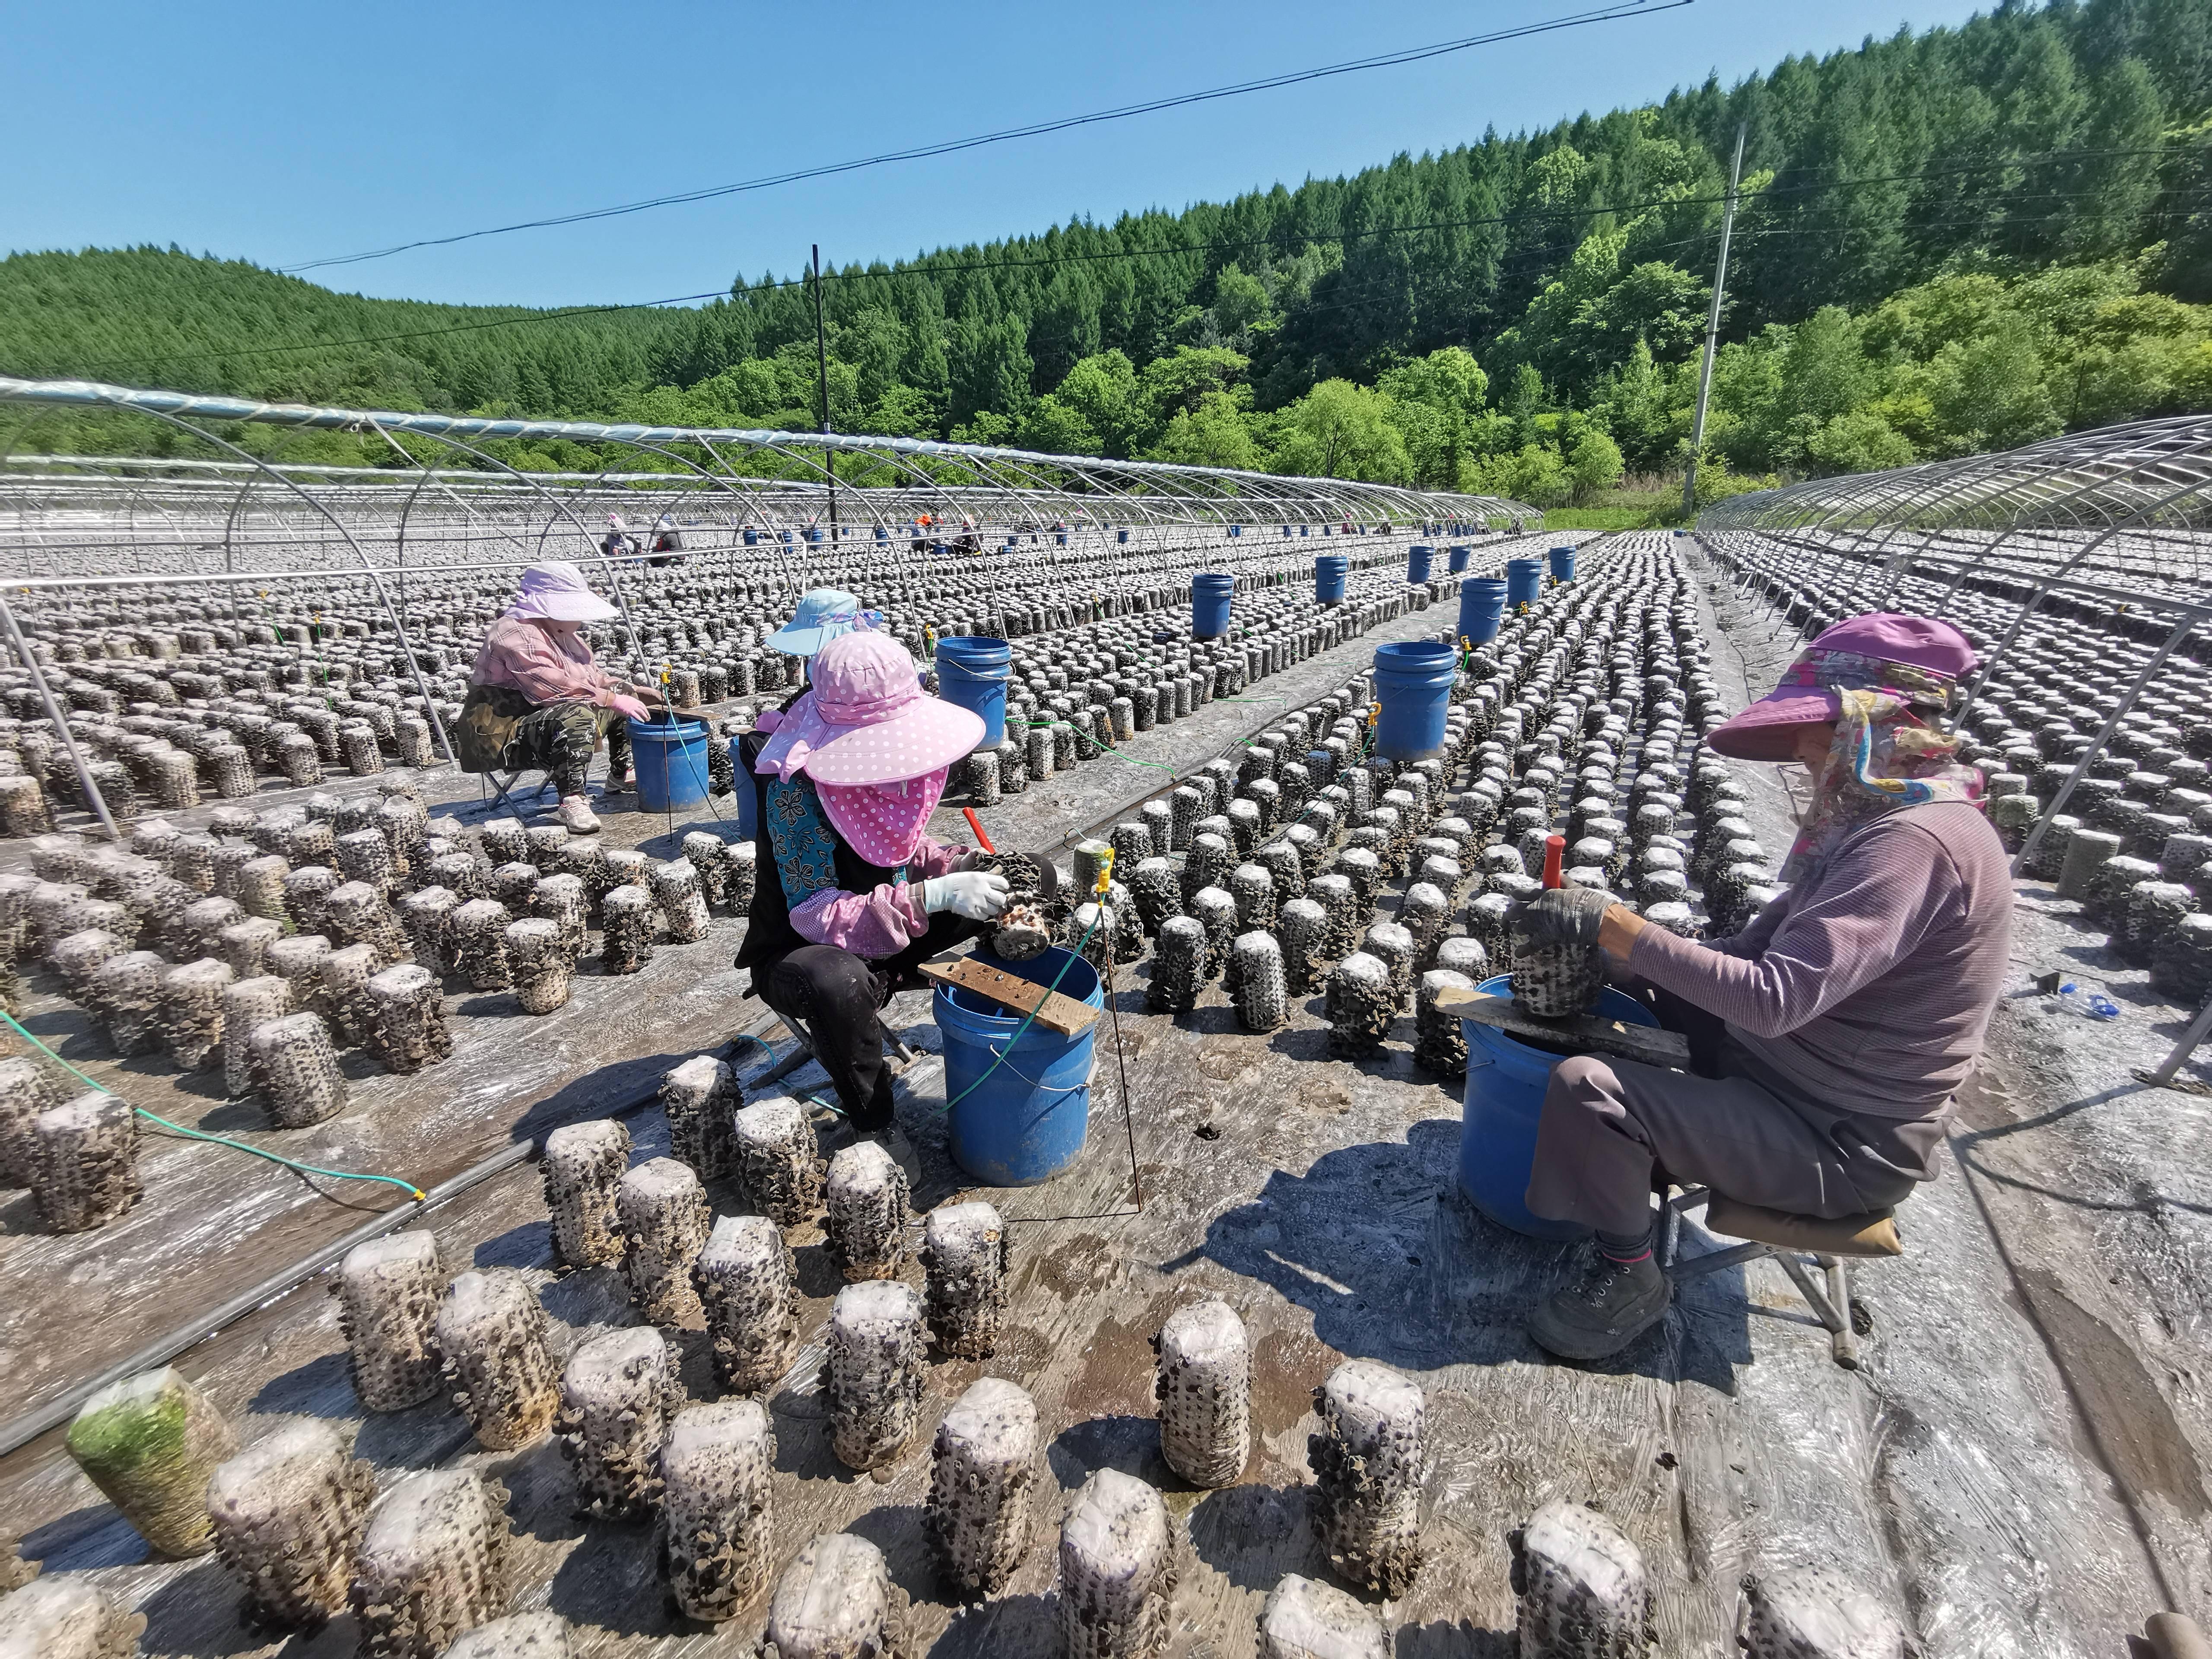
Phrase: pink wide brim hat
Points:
(1916, 659)
(867, 720)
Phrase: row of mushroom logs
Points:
(178, 698)
(273, 940)
(427, 1567)
(1582, 719)
(243, 949)
(1072, 698)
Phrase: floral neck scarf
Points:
(1883, 758)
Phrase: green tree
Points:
(1594, 464)
(1048, 425)
(1217, 433)
(1989, 393)
(1340, 430)
(1241, 307)
(1104, 391)
(1436, 399)
(1181, 380)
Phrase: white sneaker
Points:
(574, 815)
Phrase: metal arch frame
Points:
(2049, 508)
(376, 581)
(562, 508)
(1215, 486)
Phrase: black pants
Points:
(837, 993)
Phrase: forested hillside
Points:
(1961, 240)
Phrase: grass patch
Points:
(1647, 502)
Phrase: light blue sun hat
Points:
(824, 614)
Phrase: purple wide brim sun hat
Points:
(822, 615)
(867, 720)
(558, 593)
(1916, 660)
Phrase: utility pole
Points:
(1712, 333)
(822, 370)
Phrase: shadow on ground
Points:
(1377, 1243)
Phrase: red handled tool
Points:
(976, 824)
(1555, 847)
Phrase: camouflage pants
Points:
(499, 731)
(560, 736)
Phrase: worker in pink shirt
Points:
(536, 698)
(853, 895)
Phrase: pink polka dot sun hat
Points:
(867, 720)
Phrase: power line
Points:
(1272, 239)
(1605, 14)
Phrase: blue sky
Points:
(284, 133)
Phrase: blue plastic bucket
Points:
(1209, 604)
(882, 532)
(1563, 564)
(1524, 580)
(752, 537)
(1419, 558)
(1481, 604)
(972, 672)
(1505, 1084)
(1329, 578)
(1236, 529)
(1120, 536)
(1024, 1121)
(1305, 529)
(1413, 683)
(1460, 555)
(670, 757)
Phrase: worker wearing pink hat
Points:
(853, 895)
(1829, 1036)
(538, 698)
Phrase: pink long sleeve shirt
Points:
(883, 921)
(546, 667)
(1870, 985)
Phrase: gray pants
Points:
(1608, 1125)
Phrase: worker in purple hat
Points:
(853, 895)
(1829, 1036)
(536, 698)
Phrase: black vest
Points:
(768, 932)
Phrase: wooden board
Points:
(1063, 1014)
(1646, 1043)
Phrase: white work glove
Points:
(628, 707)
(978, 895)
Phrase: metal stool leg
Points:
(1842, 1339)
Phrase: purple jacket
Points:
(1869, 986)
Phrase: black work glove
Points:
(1562, 916)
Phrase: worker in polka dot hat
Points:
(853, 896)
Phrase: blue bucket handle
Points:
(943, 662)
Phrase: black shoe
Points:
(1615, 1303)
